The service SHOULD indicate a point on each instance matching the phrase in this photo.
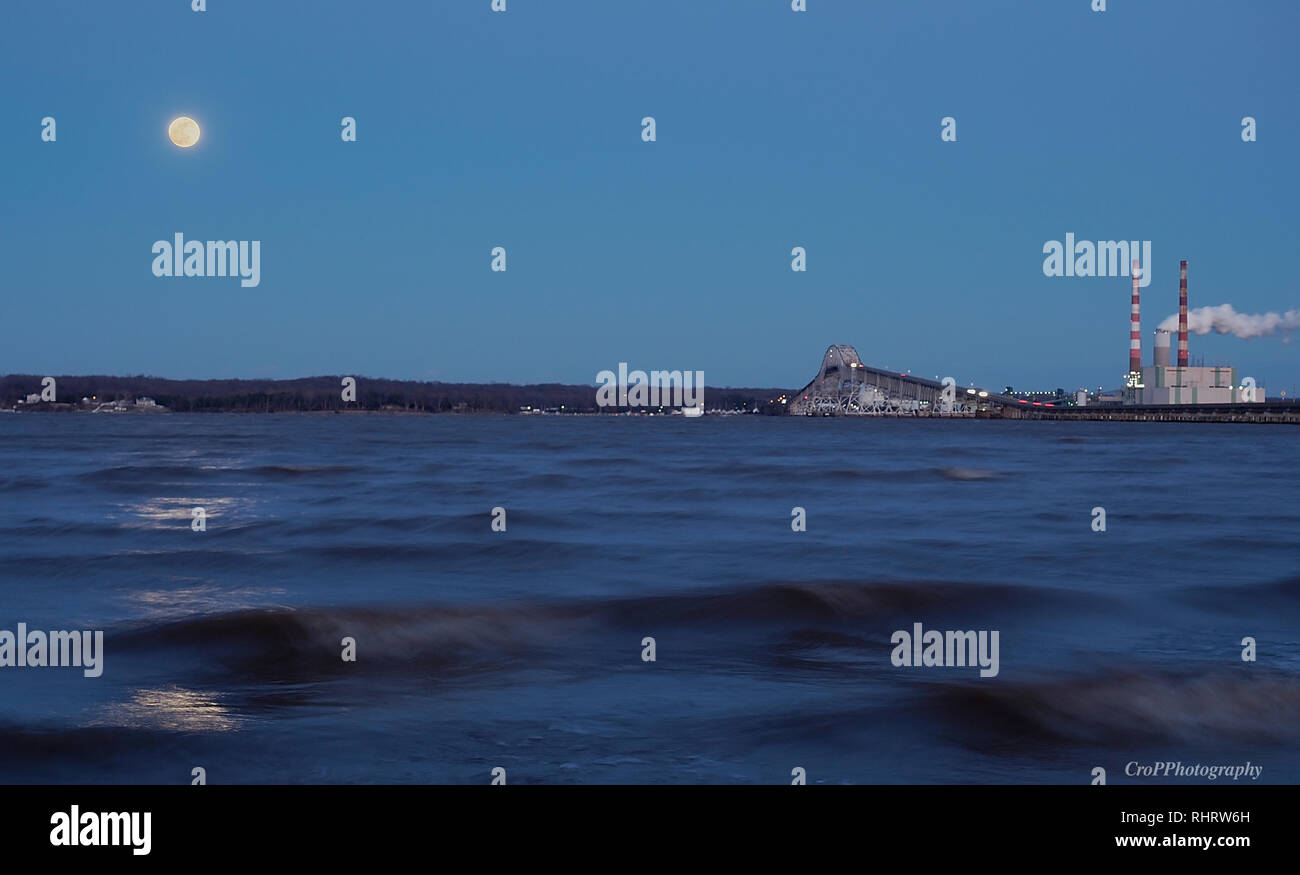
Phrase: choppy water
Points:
(522, 649)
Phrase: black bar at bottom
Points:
(637, 824)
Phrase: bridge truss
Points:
(846, 387)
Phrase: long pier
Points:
(1284, 412)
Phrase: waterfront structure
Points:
(1184, 383)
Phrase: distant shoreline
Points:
(70, 409)
(116, 396)
(326, 395)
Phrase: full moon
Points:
(184, 131)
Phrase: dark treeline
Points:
(325, 393)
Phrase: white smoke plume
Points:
(1226, 320)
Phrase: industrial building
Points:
(845, 386)
(1183, 383)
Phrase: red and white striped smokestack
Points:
(1135, 329)
(1182, 313)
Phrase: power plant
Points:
(1162, 384)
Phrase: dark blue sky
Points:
(775, 129)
